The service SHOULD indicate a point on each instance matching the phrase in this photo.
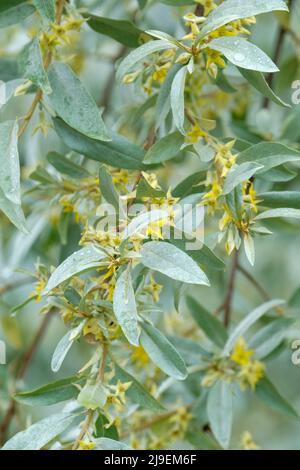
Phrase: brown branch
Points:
(276, 56)
(227, 304)
(27, 359)
(262, 291)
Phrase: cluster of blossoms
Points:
(240, 368)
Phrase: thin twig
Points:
(277, 54)
(227, 304)
(264, 294)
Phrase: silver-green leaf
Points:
(86, 259)
(174, 263)
(162, 352)
(220, 412)
(74, 104)
(125, 308)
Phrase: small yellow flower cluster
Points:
(153, 72)
(153, 288)
(247, 442)
(116, 399)
(251, 371)
(60, 35)
(177, 426)
(240, 368)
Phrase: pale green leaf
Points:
(66, 166)
(139, 54)
(73, 103)
(31, 64)
(277, 213)
(14, 11)
(125, 309)
(86, 259)
(247, 322)
(267, 392)
(258, 81)
(39, 434)
(280, 199)
(50, 394)
(171, 261)
(119, 153)
(269, 155)
(104, 443)
(249, 248)
(232, 10)
(64, 347)
(165, 149)
(162, 352)
(177, 99)
(220, 411)
(46, 9)
(122, 31)
(240, 173)
(137, 392)
(243, 53)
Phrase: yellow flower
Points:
(160, 73)
(211, 197)
(86, 445)
(140, 357)
(250, 196)
(196, 133)
(39, 287)
(209, 5)
(251, 373)
(154, 289)
(247, 442)
(214, 57)
(240, 354)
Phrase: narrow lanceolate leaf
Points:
(210, 324)
(137, 392)
(258, 81)
(86, 259)
(64, 347)
(249, 248)
(162, 352)
(104, 443)
(248, 321)
(10, 192)
(73, 103)
(177, 99)
(66, 166)
(14, 11)
(240, 173)
(231, 10)
(125, 308)
(278, 213)
(280, 199)
(139, 54)
(243, 53)
(107, 188)
(119, 153)
(269, 155)
(31, 64)
(122, 31)
(165, 149)
(206, 258)
(267, 392)
(163, 103)
(220, 412)
(39, 434)
(52, 393)
(46, 9)
(169, 260)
